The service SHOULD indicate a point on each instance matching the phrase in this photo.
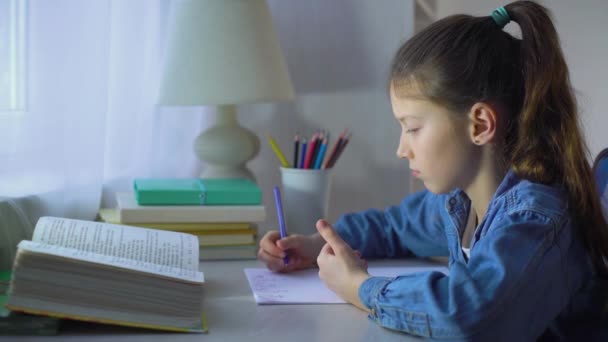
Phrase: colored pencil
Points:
(296, 147)
(277, 151)
(311, 148)
(321, 154)
(341, 149)
(303, 153)
(315, 153)
(280, 217)
(332, 154)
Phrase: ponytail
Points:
(548, 146)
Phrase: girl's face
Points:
(436, 143)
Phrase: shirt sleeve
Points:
(415, 227)
(485, 294)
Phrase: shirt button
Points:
(452, 201)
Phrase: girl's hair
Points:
(461, 60)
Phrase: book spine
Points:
(177, 215)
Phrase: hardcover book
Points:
(230, 238)
(129, 211)
(196, 191)
(110, 215)
(111, 274)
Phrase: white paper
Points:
(305, 287)
(159, 247)
(114, 261)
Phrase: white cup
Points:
(305, 198)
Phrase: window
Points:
(12, 56)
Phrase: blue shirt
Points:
(528, 274)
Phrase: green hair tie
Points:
(501, 16)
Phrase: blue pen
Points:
(282, 228)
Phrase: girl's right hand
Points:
(301, 249)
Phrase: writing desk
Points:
(233, 315)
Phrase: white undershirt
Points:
(469, 232)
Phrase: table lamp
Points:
(223, 53)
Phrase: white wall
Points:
(338, 53)
(582, 27)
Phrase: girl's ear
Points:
(482, 123)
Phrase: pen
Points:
(277, 151)
(282, 228)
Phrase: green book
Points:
(196, 191)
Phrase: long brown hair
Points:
(461, 60)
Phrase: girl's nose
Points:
(403, 150)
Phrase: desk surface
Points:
(233, 315)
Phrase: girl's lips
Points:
(415, 173)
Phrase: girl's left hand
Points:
(340, 267)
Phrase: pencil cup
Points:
(305, 198)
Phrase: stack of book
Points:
(222, 213)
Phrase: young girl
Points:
(489, 124)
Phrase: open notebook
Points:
(305, 287)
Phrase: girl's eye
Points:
(411, 130)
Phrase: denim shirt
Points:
(528, 274)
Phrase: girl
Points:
(489, 124)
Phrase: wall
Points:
(582, 27)
(338, 54)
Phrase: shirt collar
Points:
(459, 197)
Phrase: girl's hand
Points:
(340, 267)
(301, 249)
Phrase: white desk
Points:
(233, 315)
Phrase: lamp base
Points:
(226, 147)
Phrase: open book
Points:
(108, 273)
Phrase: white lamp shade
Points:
(223, 52)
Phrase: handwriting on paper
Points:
(305, 287)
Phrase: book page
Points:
(305, 287)
(113, 261)
(159, 247)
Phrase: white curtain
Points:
(91, 124)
